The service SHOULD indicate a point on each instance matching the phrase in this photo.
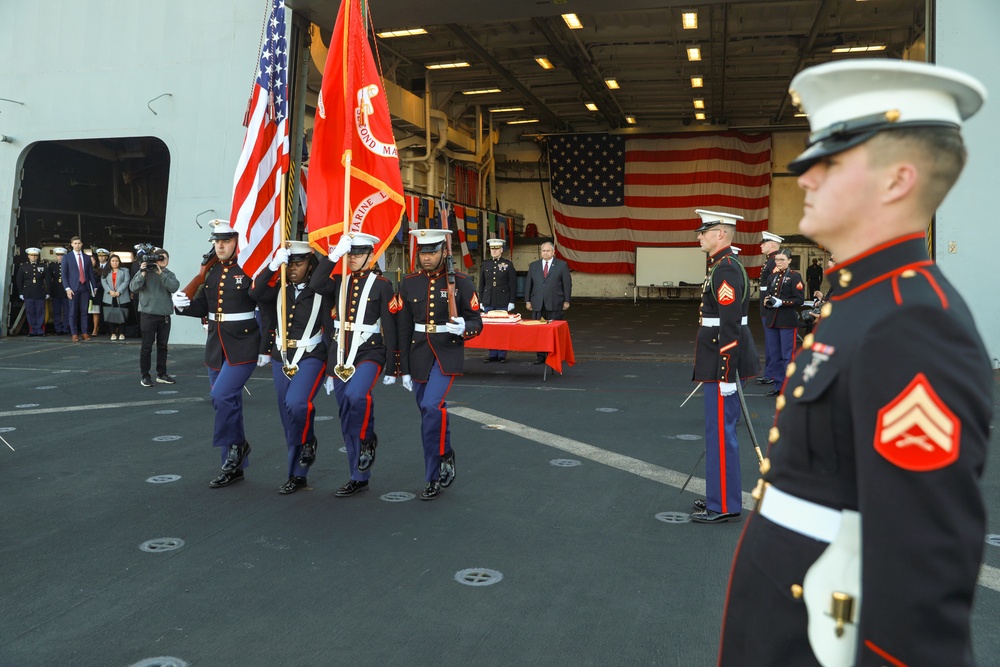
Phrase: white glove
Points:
(510, 307)
(280, 257)
(727, 388)
(389, 379)
(180, 299)
(328, 385)
(407, 383)
(774, 302)
(22, 297)
(456, 326)
(263, 360)
(341, 249)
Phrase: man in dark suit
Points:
(78, 281)
(547, 288)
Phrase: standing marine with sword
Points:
(725, 353)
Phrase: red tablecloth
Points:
(552, 337)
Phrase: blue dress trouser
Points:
(779, 345)
(34, 309)
(60, 313)
(296, 408)
(434, 431)
(723, 485)
(494, 354)
(357, 412)
(227, 399)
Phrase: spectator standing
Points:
(769, 245)
(33, 287)
(497, 288)
(785, 294)
(97, 294)
(153, 286)
(60, 303)
(117, 294)
(547, 288)
(814, 277)
(78, 281)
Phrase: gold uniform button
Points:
(909, 273)
(798, 392)
(780, 403)
(807, 342)
(765, 466)
(845, 278)
(773, 435)
(797, 591)
(790, 371)
(826, 309)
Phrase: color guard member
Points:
(33, 285)
(867, 543)
(299, 374)
(769, 245)
(785, 294)
(432, 348)
(497, 288)
(724, 355)
(369, 334)
(230, 350)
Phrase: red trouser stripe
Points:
(368, 405)
(310, 406)
(721, 430)
(444, 417)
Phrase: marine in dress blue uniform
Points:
(33, 285)
(769, 245)
(785, 294)
(497, 288)
(298, 370)
(367, 326)
(868, 537)
(231, 347)
(725, 354)
(432, 349)
(60, 304)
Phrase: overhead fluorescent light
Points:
(630, 120)
(544, 62)
(689, 20)
(612, 83)
(406, 32)
(590, 106)
(506, 109)
(522, 122)
(694, 53)
(699, 104)
(454, 65)
(859, 49)
(697, 82)
(481, 91)
(699, 116)
(572, 21)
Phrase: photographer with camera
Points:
(153, 286)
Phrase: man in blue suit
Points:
(78, 281)
(547, 288)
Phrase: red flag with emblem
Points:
(353, 127)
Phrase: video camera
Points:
(146, 252)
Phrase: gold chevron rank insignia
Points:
(917, 431)
(725, 294)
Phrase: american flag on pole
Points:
(256, 212)
(611, 193)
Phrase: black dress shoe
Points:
(236, 456)
(367, 456)
(432, 491)
(711, 516)
(763, 380)
(503, 360)
(488, 360)
(447, 469)
(773, 392)
(226, 478)
(352, 487)
(308, 455)
(699, 504)
(293, 484)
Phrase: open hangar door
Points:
(112, 193)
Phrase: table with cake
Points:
(504, 330)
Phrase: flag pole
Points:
(342, 371)
(283, 303)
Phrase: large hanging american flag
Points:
(611, 193)
(256, 213)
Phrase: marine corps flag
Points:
(353, 134)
